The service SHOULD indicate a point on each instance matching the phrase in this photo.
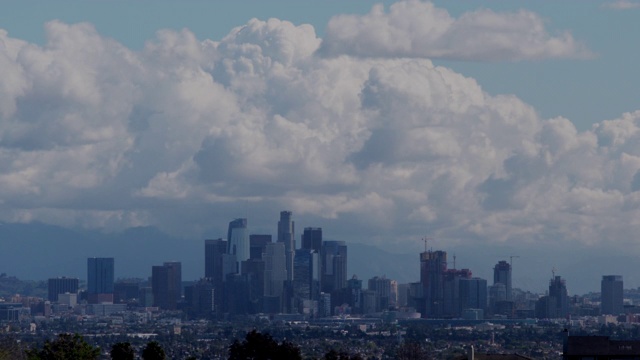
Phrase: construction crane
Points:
(426, 239)
(511, 260)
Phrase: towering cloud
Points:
(375, 139)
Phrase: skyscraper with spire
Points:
(286, 236)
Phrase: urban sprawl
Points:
(305, 296)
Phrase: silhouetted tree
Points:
(257, 346)
(66, 346)
(153, 351)
(411, 351)
(334, 355)
(10, 349)
(122, 351)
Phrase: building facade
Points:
(502, 275)
(238, 241)
(100, 276)
(611, 292)
(286, 235)
(61, 285)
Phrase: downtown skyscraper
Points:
(502, 275)
(611, 294)
(166, 285)
(433, 265)
(312, 239)
(100, 275)
(286, 235)
(238, 241)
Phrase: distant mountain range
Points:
(38, 251)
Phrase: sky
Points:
(480, 124)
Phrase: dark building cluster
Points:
(253, 274)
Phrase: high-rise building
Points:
(502, 274)
(611, 292)
(253, 271)
(381, 286)
(257, 242)
(200, 297)
(275, 275)
(306, 282)
(213, 251)
(312, 239)
(62, 285)
(473, 293)
(497, 295)
(433, 265)
(558, 296)
(218, 263)
(238, 241)
(451, 291)
(124, 291)
(334, 266)
(166, 284)
(100, 274)
(286, 236)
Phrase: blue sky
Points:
(512, 124)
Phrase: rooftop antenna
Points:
(553, 272)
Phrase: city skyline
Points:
(498, 129)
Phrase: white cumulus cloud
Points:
(184, 132)
(414, 28)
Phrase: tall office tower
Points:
(238, 238)
(473, 293)
(312, 239)
(611, 289)
(124, 291)
(275, 274)
(497, 294)
(306, 280)
(62, 285)
(213, 251)
(286, 236)
(558, 297)
(257, 242)
(502, 274)
(451, 306)
(433, 265)
(166, 284)
(381, 286)
(100, 273)
(253, 271)
(393, 300)
(218, 264)
(334, 266)
(200, 298)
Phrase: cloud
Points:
(421, 30)
(622, 5)
(187, 133)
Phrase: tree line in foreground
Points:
(256, 346)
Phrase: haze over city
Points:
(381, 123)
